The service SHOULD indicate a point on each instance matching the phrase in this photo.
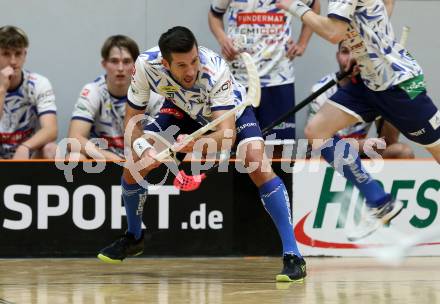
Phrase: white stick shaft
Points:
(252, 98)
(167, 152)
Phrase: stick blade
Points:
(254, 87)
(185, 182)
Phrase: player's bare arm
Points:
(80, 130)
(133, 131)
(217, 27)
(389, 5)
(298, 48)
(46, 134)
(389, 133)
(331, 29)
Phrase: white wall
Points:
(66, 37)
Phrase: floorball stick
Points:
(252, 98)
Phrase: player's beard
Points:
(188, 84)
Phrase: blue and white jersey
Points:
(358, 130)
(106, 113)
(266, 30)
(22, 108)
(215, 88)
(383, 61)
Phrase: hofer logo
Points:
(323, 225)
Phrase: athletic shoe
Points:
(294, 269)
(125, 246)
(375, 218)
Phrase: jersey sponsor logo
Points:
(168, 89)
(239, 4)
(418, 133)
(349, 2)
(15, 138)
(171, 111)
(260, 18)
(261, 30)
(81, 107)
(225, 86)
(271, 41)
(48, 93)
(116, 142)
(414, 86)
(246, 125)
(435, 121)
(285, 125)
(133, 90)
(85, 93)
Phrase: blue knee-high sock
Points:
(273, 193)
(134, 197)
(354, 172)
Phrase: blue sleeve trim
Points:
(47, 112)
(339, 18)
(135, 106)
(82, 118)
(222, 108)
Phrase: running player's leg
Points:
(344, 110)
(435, 152)
(348, 105)
(134, 195)
(398, 151)
(272, 191)
(415, 115)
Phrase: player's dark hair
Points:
(178, 39)
(121, 42)
(12, 37)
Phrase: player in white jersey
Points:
(391, 85)
(28, 123)
(389, 135)
(100, 110)
(199, 88)
(264, 31)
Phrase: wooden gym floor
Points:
(216, 280)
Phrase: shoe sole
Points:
(398, 207)
(108, 260)
(286, 278)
